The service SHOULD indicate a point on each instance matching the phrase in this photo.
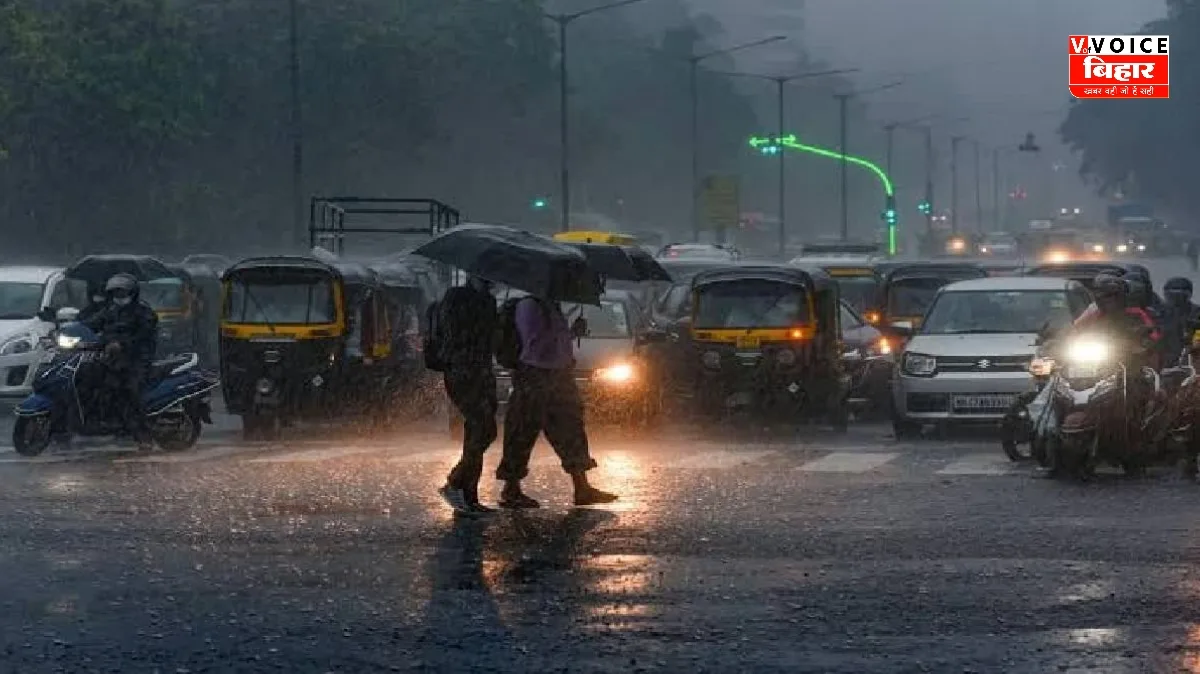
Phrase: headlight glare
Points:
(1088, 351)
(621, 373)
(66, 341)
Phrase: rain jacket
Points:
(133, 326)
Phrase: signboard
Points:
(720, 201)
(1119, 66)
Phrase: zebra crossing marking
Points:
(719, 460)
(849, 462)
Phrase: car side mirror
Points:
(47, 314)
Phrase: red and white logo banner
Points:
(1119, 66)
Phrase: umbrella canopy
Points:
(97, 269)
(622, 263)
(519, 259)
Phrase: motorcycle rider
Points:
(98, 302)
(128, 328)
(1180, 320)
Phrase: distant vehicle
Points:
(969, 359)
(998, 244)
(218, 263)
(699, 251)
(840, 249)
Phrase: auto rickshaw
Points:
(858, 284)
(767, 338)
(411, 385)
(582, 236)
(198, 311)
(906, 289)
(303, 339)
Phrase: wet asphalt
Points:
(729, 551)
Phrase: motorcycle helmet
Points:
(1109, 292)
(122, 288)
(1178, 290)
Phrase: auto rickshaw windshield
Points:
(912, 296)
(858, 291)
(750, 303)
(280, 301)
(163, 294)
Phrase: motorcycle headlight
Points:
(1041, 367)
(919, 364)
(785, 356)
(66, 341)
(1088, 351)
(711, 359)
(621, 373)
(19, 344)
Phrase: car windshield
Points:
(19, 300)
(163, 293)
(751, 304)
(293, 301)
(909, 297)
(858, 291)
(992, 311)
(607, 321)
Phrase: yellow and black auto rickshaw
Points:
(767, 338)
(195, 321)
(413, 387)
(303, 339)
(906, 289)
(858, 284)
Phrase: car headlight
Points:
(66, 341)
(1041, 367)
(1088, 351)
(19, 344)
(1097, 248)
(1058, 256)
(983, 249)
(1122, 248)
(621, 373)
(1141, 247)
(711, 359)
(919, 364)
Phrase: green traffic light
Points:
(540, 203)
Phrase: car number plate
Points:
(748, 342)
(983, 402)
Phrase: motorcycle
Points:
(68, 400)
(1097, 425)
(1180, 436)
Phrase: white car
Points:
(24, 291)
(970, 358)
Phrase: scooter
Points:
(1097, 425)
(175, 397)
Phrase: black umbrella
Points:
(623, 263)
(518, 259)
(97, 269)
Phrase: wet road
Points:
(728, 552)
(815, 553)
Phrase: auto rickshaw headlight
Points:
(264, 386)
(711, 359)
(785, 356)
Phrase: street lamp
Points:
(693, 72)
(564, 156)
(843, 100)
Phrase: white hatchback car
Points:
(970, 358)
(24, 291)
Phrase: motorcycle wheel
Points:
(1017, 430)
(31, 435)
(177, 436)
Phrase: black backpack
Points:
(433, 343)
(508, 340)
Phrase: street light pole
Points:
(978, 192)
(996, 189)
(843, 100)
(954, 141)
(890, 132)
(563, 20)
(297, 130)
(694, 94)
